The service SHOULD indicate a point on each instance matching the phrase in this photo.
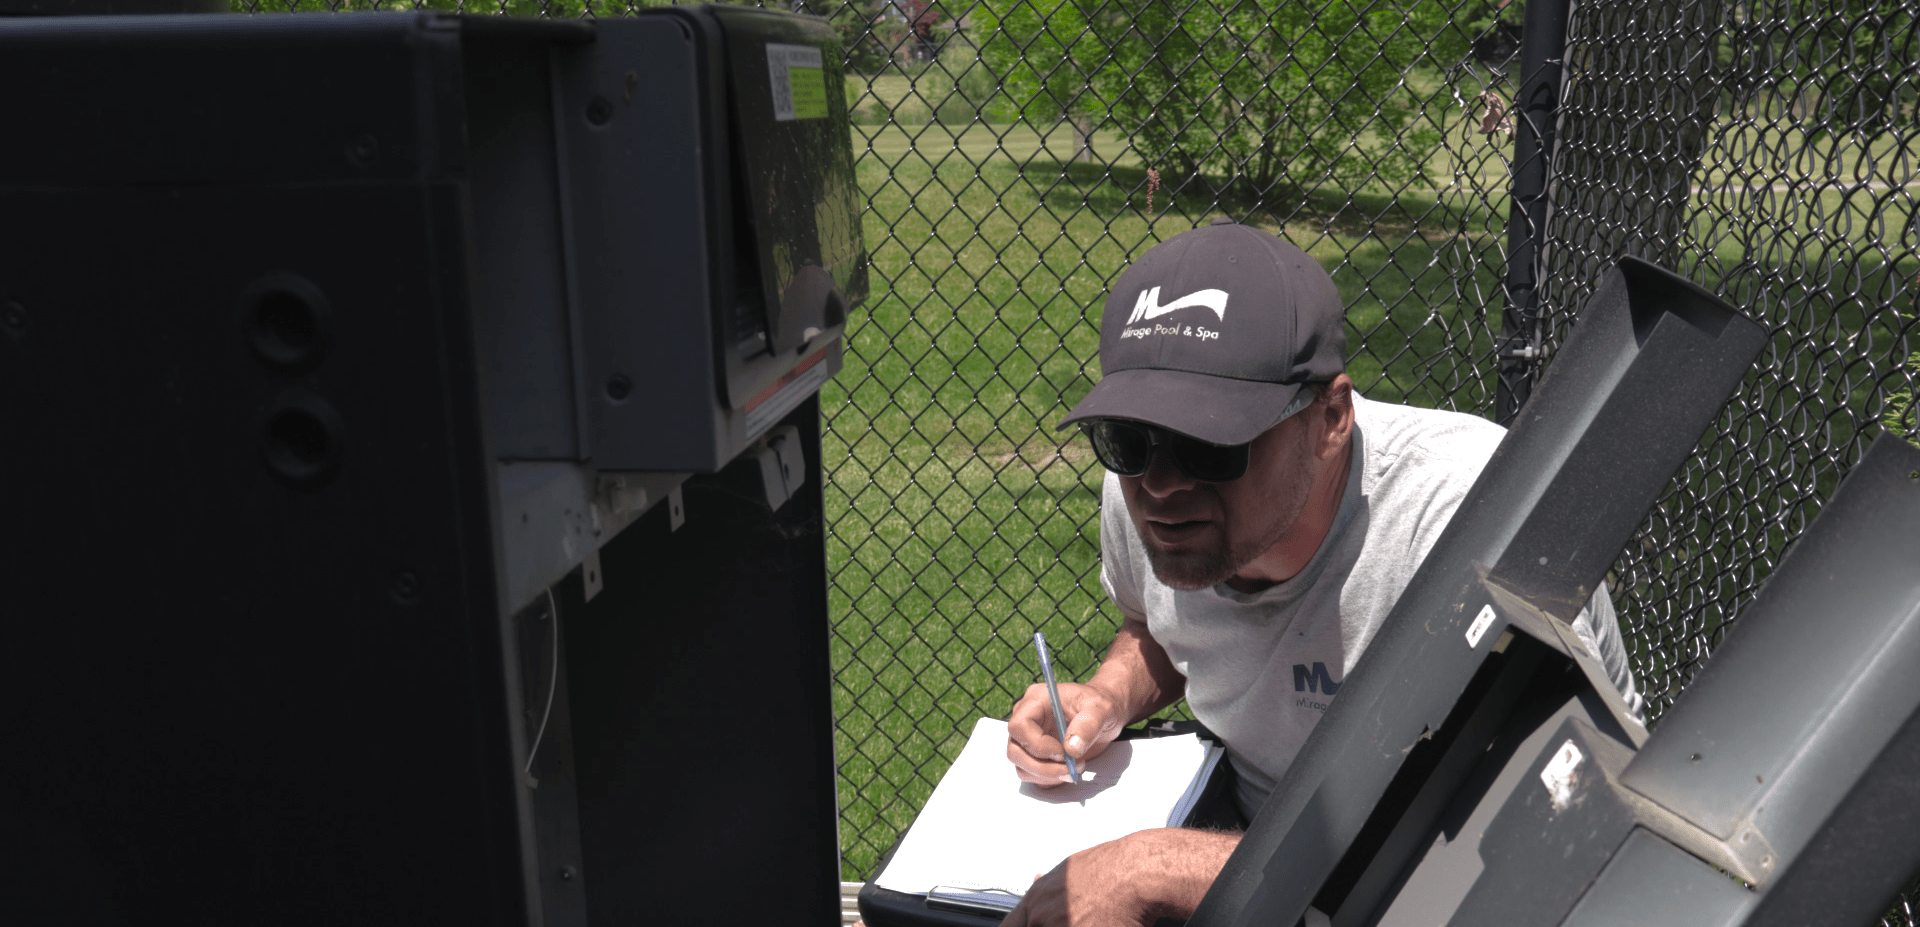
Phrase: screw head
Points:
(404, 587)
(363, 151)
(14, 319)
(599, 111)
(619, 387)
(567, 874)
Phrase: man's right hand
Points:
(1094, 719)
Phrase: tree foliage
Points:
(1855, 54)
(1256, 92)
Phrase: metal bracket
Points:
(590, 576)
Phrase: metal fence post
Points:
(1521, 345)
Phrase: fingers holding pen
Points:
(1033, 749)
(1033, 745)
(1091, 727)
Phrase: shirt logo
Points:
(1316, 679)
(1148, 305)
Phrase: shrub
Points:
(1256, 92)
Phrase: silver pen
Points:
(1053, 692)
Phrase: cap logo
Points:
(1148, 305)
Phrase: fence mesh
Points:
(1016, 154)
(1768, 152)
(1014, 163)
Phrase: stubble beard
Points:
(1190, 570)
(1193, 569)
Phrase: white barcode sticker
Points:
(1478, 628)
(799, 79)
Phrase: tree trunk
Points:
(1082, 136)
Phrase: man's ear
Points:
(1335, 409)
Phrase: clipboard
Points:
(1217, 809)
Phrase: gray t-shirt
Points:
(1261, 668)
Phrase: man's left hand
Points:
(1127, 882)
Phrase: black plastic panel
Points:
(802, 202)
(297, 116)
(251, 699)
(702, 717)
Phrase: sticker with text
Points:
(799, 80)
(1478, 628)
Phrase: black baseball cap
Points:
(1213, 332)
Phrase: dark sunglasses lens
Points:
(1121, 447)
(1210, 462)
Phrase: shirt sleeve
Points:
(1119, 569)
(1598, 627)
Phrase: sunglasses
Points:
(1126, 448)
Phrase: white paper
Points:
(985, 829)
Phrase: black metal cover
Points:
(1855, 865)
(1788, 764)
(1650, 881)
(707, 238)
(267, 663)
(250, 505)
(1816, 678)
(1648, 367)
(645, 220)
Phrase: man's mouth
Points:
(1174, 532)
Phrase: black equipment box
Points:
(336, 353)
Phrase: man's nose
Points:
(1162, 478)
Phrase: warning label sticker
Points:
(799, 82)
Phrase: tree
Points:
(1853, 54)
(1258, 93)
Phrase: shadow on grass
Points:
(1104, 189)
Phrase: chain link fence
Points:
(1768, 152)
(1016, 154)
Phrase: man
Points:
(1259, 520)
